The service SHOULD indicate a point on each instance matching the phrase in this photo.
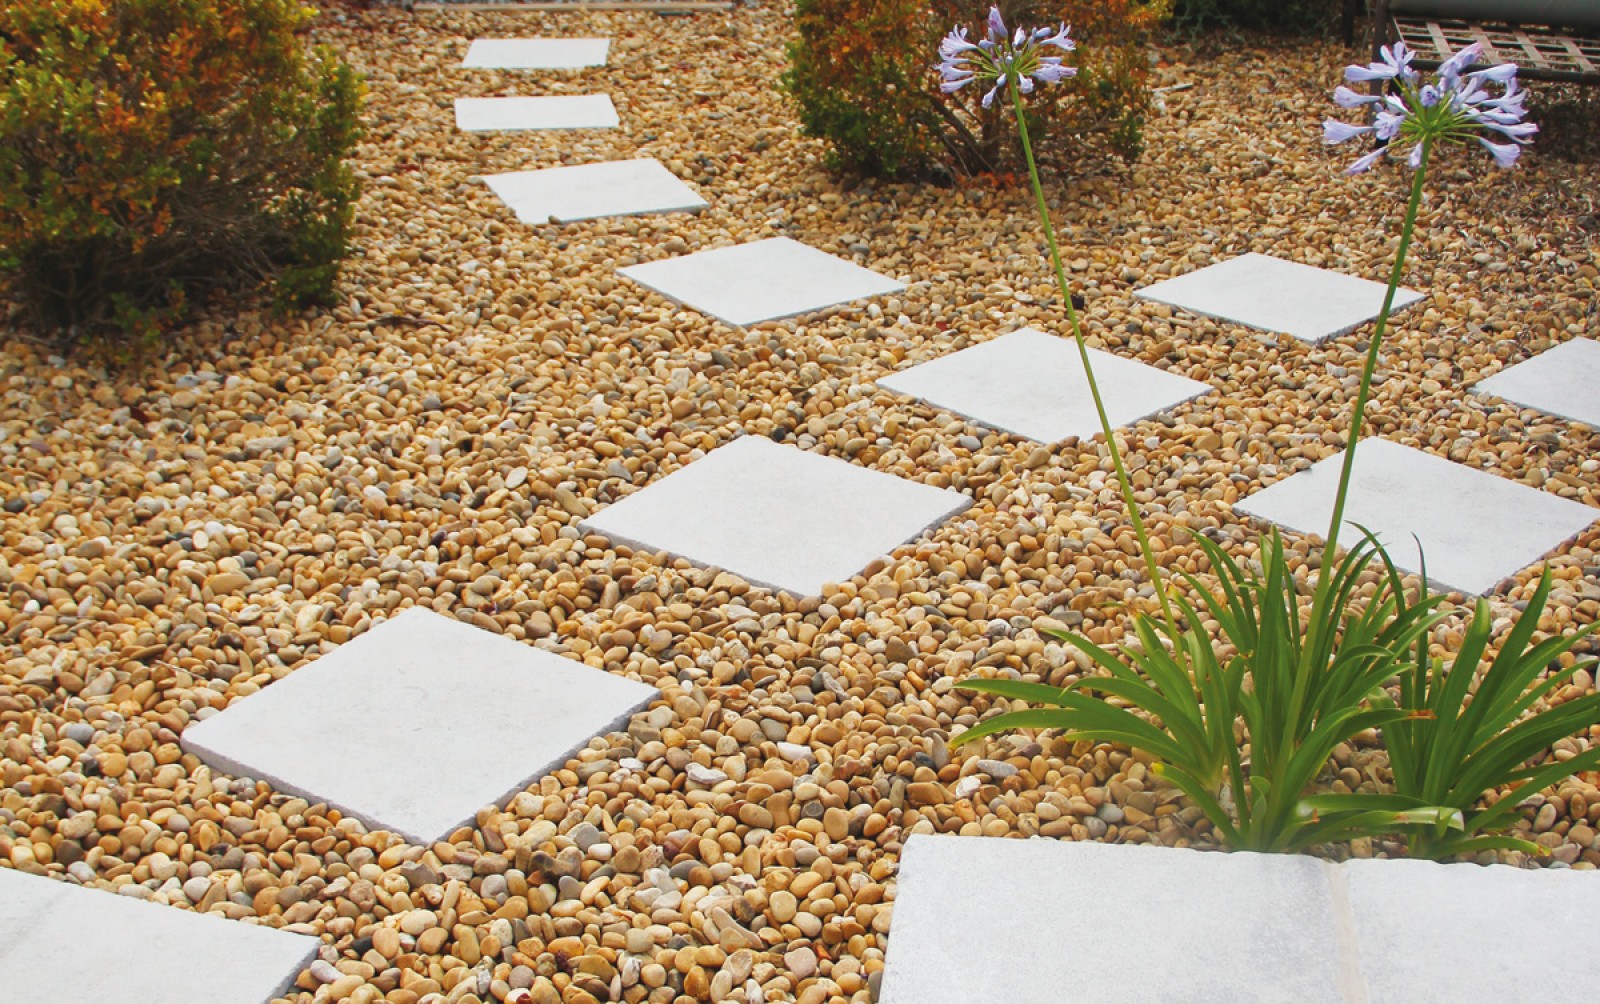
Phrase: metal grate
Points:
(1540, 53)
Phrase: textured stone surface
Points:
(417, 724)
(1032, 384)
(1166, 924)
(777, 515)
(62, 942)
(556, 111)
(760, 281)
(1563, 381)
(1475, 528)
(536, 53)
(1448, 933)
(980, 920)
(587, 191)
(1276, 295)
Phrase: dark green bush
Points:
(862, 73)
(1300, 17)
(152, 149)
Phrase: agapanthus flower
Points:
(1458, 106)
(1000, 56)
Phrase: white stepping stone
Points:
(979, 920)
(1476, 529)
(1032, 384)
(417, 723)
(62, 942)
(760, 281)
(1563, 381)
(536, 53)
(586, 191)
(1455, 933)
(986, 920)
(1269, 293)
(777, 515)
(554, 111)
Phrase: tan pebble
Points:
(386, 942)
(755, 815)
(926, 793)
(801, 963)
(226, 582)
(696, 984)
(836, 822)
(783, 906)
(429, 942)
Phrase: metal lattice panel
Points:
(1541, 54)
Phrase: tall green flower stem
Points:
(1151, 568)
(1365, 390)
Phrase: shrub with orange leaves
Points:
(150, 149)
(862, 73)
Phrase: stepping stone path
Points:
(1032, 385)
(418, 723)
(1311, 304)
(1563, 381)
(587, 191)
(63, 942)
(777, 515)
(421, 721)
(1476, 529)
(972, 926)
(536, 53)
(761, 281)
(556, 111)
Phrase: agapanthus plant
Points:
(1015, 62)
(1448, 751)
(998, 59)
(1192, 699)
(1297, 687)
(1456, 108)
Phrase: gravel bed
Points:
(181, 536)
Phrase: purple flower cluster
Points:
(1001, 57)
(1457, 107)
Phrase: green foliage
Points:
(861, 72)
(1247, 738)
(1458, 744)
(1299, 17)
(150, 149)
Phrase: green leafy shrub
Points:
(860, 72)
(150, 149)
(1457, 743)
(1300, 17)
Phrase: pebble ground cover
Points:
(179, 537)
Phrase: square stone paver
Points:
(1476, 529)
(986, 920)
(417, 723)
(982, 920)
(555, 111)
(777, 515)
(1032, 384)
(63, 942)
(1276, 295)
(585, 191)
(1563, 381)
(760, 281)
(536, 53)
(1453, 933)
